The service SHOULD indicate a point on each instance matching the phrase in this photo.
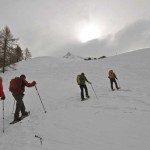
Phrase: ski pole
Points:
(40, 98)
(3, 116)
(13, 107)
(118, 83)
(94, 91)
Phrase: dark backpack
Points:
(15, 85)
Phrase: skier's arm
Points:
(115, 76)
(87, 80)
(29, 84)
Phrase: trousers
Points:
(20, 107)
(111, 83)
(84, 87)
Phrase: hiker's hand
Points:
(3, 98)
(34, 83)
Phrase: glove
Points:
(34, 83)
(3, 98)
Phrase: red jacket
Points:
(24, 83)
(1, 90)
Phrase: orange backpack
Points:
(111, 74)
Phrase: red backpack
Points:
(15, 85)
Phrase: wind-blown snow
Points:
(117, 120)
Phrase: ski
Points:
(13, 122)
(85, 99)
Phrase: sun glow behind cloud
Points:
(88, 32)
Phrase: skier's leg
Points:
(23, 106)
(86, 90)
(111, 84)
(18, 107)
(82, 92)
(116, 84)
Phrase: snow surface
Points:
(117, 120)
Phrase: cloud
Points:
(53, 25)
(133, 36)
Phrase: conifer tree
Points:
(7, 44)
(27, 54)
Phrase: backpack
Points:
(80, 80)
(111, 74)
(15, 85)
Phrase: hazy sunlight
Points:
(88, 32)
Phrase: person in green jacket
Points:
(81, 80)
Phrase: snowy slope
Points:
(117, 120)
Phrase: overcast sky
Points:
(53, 27)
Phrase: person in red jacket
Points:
(19, 98)
(2, 95)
